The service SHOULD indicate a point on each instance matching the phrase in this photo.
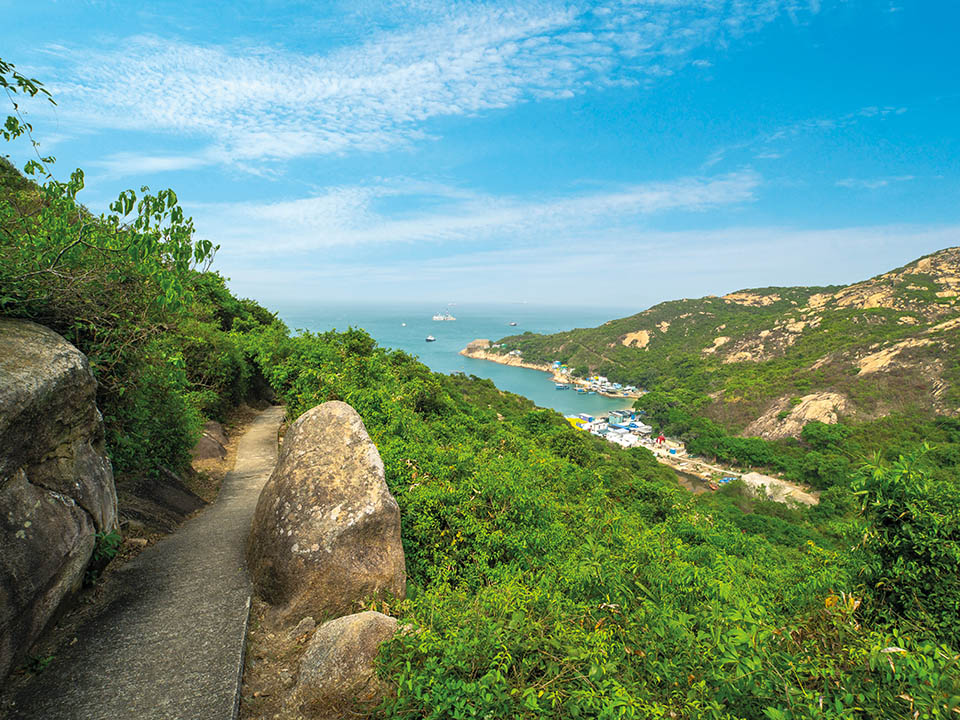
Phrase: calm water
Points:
(473, 321)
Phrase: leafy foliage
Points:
(129, 288)
(552, 574)
(912, 545)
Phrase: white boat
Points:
(431, 338)
(438, 317)
(513, 324)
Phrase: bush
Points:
(912, 546)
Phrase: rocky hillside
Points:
(768, 360)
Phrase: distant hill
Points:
(767, 360)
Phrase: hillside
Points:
(768, 360)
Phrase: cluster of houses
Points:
(622, 427)
(592, 385)
(599, 383)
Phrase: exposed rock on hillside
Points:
(882, 359)
(337, 671)
(911, 287)
(751, 299)
(326, 533)
(718, 342)
(886, 344)
(639, 339)
(56, 483)
(825, 407)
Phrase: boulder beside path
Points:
(337, 672)
(326, 532)
(56, 482)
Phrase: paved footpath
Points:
(168, 644)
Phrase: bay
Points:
(406, 326)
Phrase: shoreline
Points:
(476, 351)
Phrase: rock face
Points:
(212, 444)
(326, 532)
(56, 483)
(825, 407)
(337, 671)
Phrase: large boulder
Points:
(337, 673)
(212, 444)
(56, 483)
(326, 532)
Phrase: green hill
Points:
(766, 361)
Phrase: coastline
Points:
(478, 350)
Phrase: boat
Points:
(513, 324)
(439, 317)
(561, 386)
(591, 392)
(581, 390)
(431, 338)
(403, 324)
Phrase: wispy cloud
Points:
(644, 271)
(770, 145)
(258, 103)
(873, 183)
(123, 164)
(352, 215)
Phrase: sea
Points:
(406, 327)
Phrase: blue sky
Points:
(612, 153)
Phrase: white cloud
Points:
(873, 183)
(122, 164)
(350, 216)
(635, 272)
(770, 145)
(257, 103)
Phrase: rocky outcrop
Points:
(883, 359)
(212, 444)
(786, 418)
(56, 483)
(478, 352)
(337, 671)
(639, 339)
(752, 299)
(326, 532)
(475, 345)
(904, 288)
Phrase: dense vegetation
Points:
(551, 574)
(127, 289)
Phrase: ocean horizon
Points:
(406, 326)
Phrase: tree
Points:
(912, 545)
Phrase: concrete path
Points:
(168, 644)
